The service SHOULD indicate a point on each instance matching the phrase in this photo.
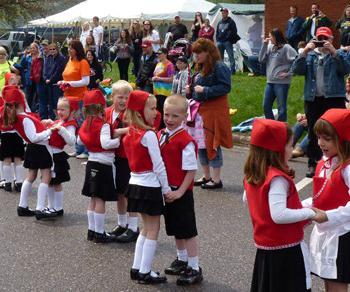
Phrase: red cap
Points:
(73, 105)
(269, 134)
(146, 44)
(8, 76)
(94, 97)
(12, 94)
(340, 120)
(137, 101)
(224, 9)
(324, 31)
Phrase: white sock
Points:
(99, 222)
(133, 223)
(50, 197)
(193, 263)
(20, 173)
(149, 249)
(42, 193)
(58, 205)
(122, 219)
(13, 170)
(8, 173)
(182, 255)
(25, 192)
(138, 251)
(1, 170)
(91, 220)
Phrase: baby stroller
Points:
(181, 47)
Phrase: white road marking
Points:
(303, 183)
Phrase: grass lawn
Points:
(247, 95)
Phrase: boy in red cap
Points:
(281, 262)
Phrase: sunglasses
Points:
(322, 38)
(146, 24)
(52, 49)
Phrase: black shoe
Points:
(18, 187)
(44, 214)
(128, 236)
(2, 184)
(311, 172)
(212, 185)
(103, 237)
(176, 267)
(118, 230)
(189, 277)
(149, 279)
(134, 274)
(57, 212)
(90, 235)
(201, 181)
(8, 187)
(25, 212)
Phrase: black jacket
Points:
(147, 67)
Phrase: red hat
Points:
(12, 94)
(146, 44)
(269, 134)
(8, 76)
(137, 101)
(324, 31)
(224, 9)
(340, 120)
(94, 97)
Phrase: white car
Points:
(16, 41)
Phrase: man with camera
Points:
(324, 69)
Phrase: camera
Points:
(319, 44)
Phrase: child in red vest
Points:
(330, 241)
(179, 150)
(63, 132)
(126, 229)
(38, 154)
(148, 182)
(278, 218)
(95, 135)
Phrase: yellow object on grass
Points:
(233, 111)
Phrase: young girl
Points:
(63, 132)
(38, 154)
(278, 218)
(127, 227)
(148, 182)
(330, 241)
(95, 135)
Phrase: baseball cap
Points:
(146, 44)
(324, 31)
(224, 9)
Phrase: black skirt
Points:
(37, 156)
(180, 218)
(99, 181)
(11, 146)
(61, 168)
(279, 270)
(146, 200)
(122, 174)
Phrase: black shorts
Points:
(99, 181)
(61, 168)
(37, 157)
(180, 218)
(11, 146)
(122, 174)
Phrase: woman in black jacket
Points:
(96, 72)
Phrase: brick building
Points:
(277, 11)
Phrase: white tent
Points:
(120, 10)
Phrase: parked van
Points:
(15, 41)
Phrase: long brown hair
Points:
(205, 45)
(9, 120)
(93, 110)
(260, 159)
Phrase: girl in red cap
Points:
(330, 241)
(95, 135)
(148, 182)
(281, 262)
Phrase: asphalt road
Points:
(55, 256)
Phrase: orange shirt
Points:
(74, 71)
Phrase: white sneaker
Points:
(82, 156)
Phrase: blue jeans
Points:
(228, 47)
(30, 93)
(79, 149)
(204, 160)
(298, 130)
(273, 91)
(254, 65)
(48, 101)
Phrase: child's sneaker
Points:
(176, 267)
(189, 277)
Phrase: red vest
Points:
(268, 234)
(56, 140)
(90, 134)
(137, 154)
(39, 127)
(330, 193)
(117, 124)
(171, 151)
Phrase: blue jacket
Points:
(24, 67)
(335, 68)
(295, 30)
(53, 68)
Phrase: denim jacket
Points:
(335, 68)
(295, 29)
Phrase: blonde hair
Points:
(121, 87)
(64, 100)
(134, 117)
(3, 51)
(178, 101)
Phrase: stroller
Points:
(181, 47)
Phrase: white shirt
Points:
(97, 33)
(154, 36)
(68, 135)
(83, 36)
(34, 137)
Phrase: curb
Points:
(241, 139)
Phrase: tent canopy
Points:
(116, 10)
(245, 9)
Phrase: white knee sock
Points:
(182, 255)
(91, 220)
(42, 193)
(138, 251)
(133, 223)
(58, 201)
(25, 192)
(51, 198)
(20, 173)
(149, 249)
(8, 173)
(122, 219)
(1, 171)
(99, 222)
(193, 263)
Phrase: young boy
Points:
(178, 150)
(181, 78)
(127, 227)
